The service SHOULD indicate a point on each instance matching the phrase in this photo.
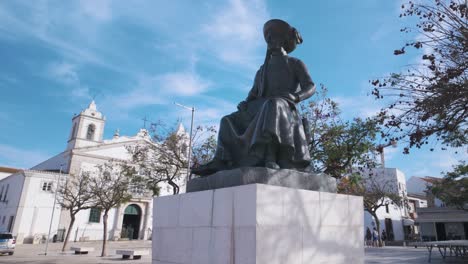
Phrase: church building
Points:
(27, 196)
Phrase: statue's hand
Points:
(292, 97)
(242, 106)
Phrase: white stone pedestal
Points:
(258, 224)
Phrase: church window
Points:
(1, 192)
(47, 186)
(73, 131)
(90, 132)
(3, 220)
(94, 215)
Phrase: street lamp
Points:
(380, 149)
(190, 138)
(53, 209)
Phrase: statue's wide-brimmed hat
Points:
(281, 29)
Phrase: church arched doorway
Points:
(131, 222)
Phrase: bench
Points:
(126, 253)
(82, 250)
(458, 247)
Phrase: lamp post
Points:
(190, 138)
(380, 149)
(53, 209)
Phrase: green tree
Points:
(375, 190)
(336, 146)
(452, 189)
(430, 99)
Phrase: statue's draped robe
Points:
(270, 116)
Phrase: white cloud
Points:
(67, 74)
(182, 83)
(64, 72)
(100, 10)
(358, 106)
(160, 89)
(70, 34)
(235, 31)
(21, 158)
(421, 162)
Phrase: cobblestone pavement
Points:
(29, 254)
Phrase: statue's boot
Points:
(285, 164)
(210, 168)
(272, 165)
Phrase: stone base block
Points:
(258, 224)
(251, 175)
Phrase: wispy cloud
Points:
(67, 74)
(436, 162)
(99, 10)
(235, 30)
(159, 89)
(358, 106)
(21, 158)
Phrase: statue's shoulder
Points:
(296, 63)
(294, 60)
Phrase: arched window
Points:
(90, 132)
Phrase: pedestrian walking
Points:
(384, 237)
(375, 238)
(368, 237)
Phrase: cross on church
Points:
(144, 122)
(95, 94)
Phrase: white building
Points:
(27, 196)
(394, 219)
(419, 186)
(436, 221)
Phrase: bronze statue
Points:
(267, 129)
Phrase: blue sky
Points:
(139, 57)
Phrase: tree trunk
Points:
(377, 223)
(104, 236)
(175, 187)
(70, 226)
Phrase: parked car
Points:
(7, 243)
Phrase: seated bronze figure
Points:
(267, 129)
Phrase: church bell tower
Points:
(87, 128)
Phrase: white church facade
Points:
(27, 196)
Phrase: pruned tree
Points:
(164, 160)
(337, 146)
(75, 195)
(452, 189)
(204, 146)
(375, 190)
(110, 187)
(430, 99)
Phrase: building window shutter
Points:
(95, 215)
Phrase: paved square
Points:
(406, 255)
(29, 254)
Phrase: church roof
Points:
(92, 111)
(8, 169)
(181, 130)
